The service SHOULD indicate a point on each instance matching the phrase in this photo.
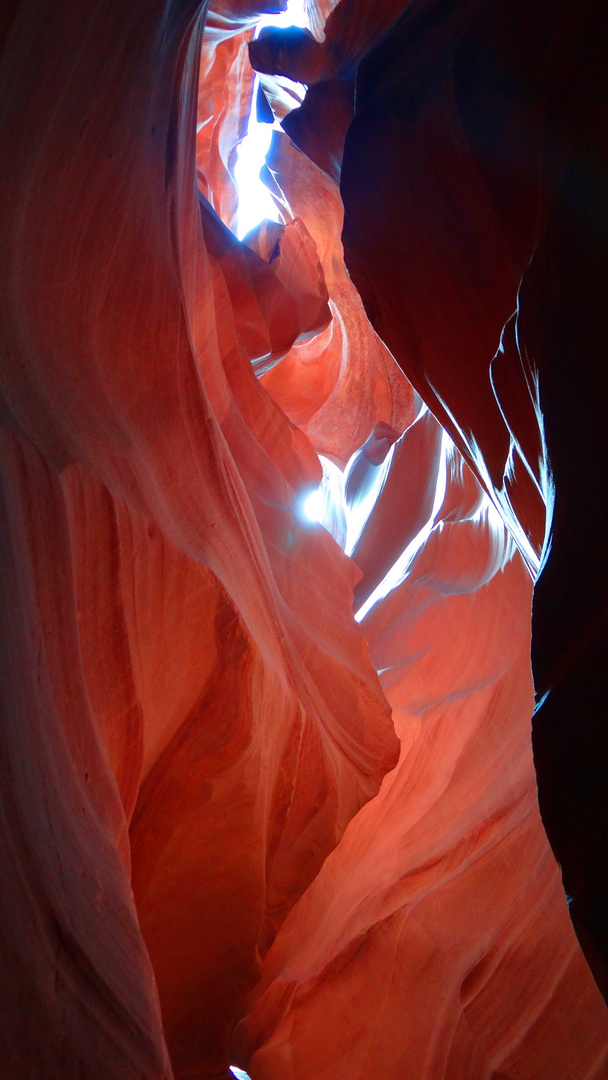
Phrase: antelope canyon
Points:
(304, 765)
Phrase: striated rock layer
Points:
(180, 655)
(239, 824)
(435, 942)
(474, 181)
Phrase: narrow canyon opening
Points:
(303, 753)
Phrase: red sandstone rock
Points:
(272, 288)
(170, 618)
(191, 719)
(319, 126)
(351, 29)
(436, 942)
(474, 179)
(224, 95)
(339, 386)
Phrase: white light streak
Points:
(399, 570)
(359, 506)
(255, 201)
(313, 506)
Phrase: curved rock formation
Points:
(338, 386)
(435, 941)
(264, 803)
(474, 186)
(172, 646)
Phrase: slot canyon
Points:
(308, 799)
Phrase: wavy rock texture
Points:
(338, 386)
(224, 91)
(435, 942)
(197, 867)
(474, 182)
(176, 659)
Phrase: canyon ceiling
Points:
(238, 824)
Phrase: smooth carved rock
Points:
(173, 645)
(340, 385)
(221, 124)
(474, 184)
(274, 287)
(319, 126)
(224, 838)
(292, 52)
(436, 942)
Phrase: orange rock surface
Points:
(239, 824)
(338, 385)
(435, 942)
